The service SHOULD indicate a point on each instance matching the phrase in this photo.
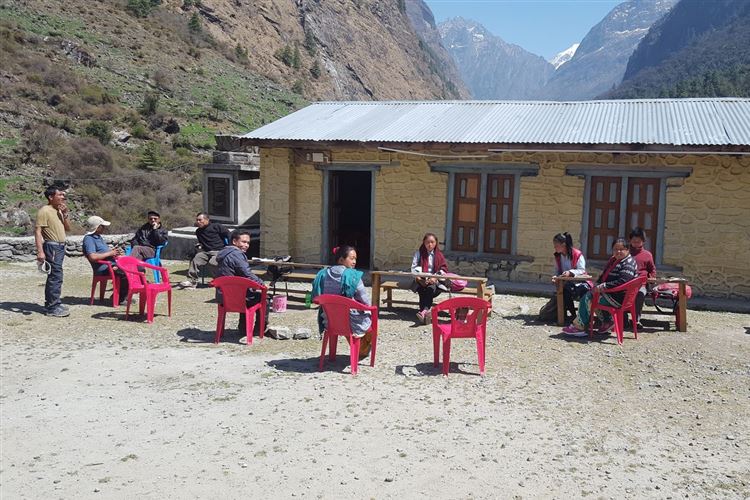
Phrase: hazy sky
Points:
(544, 27)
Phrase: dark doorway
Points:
(350, 213)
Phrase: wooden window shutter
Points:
(604, 216)
(466, 212)
(643, 209)
(498, 219)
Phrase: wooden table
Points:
(560, 283)
(377, 276)
(306, 276)
(681, 297)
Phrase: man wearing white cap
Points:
(95, 250)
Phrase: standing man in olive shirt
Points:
(49, 236)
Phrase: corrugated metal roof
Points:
(679, 122)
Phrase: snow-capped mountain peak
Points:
(564, 56)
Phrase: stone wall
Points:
(707, 217)
(23, 248)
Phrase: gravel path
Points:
(94, 406)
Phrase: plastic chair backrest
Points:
(467, 314)
(336, 309)
(157, 252)
(234, 291)
(129, 265)
(631, 290)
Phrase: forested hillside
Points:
(699, 49)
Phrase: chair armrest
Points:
(162, 270)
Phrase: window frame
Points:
(624, 175)
(515, 170)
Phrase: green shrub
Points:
(285, 55)
(315, 70)
(142, 8)
(100, 130)
(139, 131)
(93, 94)
(309, 43)
(296, 63)
(151, 157)
(150, 103)
(219, 103)
(195, 25)
(298, 87)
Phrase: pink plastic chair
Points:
(234, 293)
(102, 279)
(337, 309)
(468, 320)
(628, 305)
(138, 284)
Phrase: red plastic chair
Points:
(628, 305)
(138, 284)
(234, 293)
(336, 309)
(469, 322)
(102, 279)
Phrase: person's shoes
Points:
(605, 327)
(188, 284)
(420, 316)
(427, 318)
(442, 287)
(133, 301)
(639, 325)
(573, 331)
(58, 312)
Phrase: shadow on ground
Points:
(198, 336)
(25, 308)
(430, 370)
(309, 365)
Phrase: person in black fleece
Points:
(232, 261)
(212, 237)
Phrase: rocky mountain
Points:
(490, 67)
(121, 99)
(363, 50)
(564, 56)
(600, 61)
(699, 49)
(423, 22)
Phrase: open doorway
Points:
(350, 212)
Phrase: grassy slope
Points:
(199, 83)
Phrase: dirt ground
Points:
(94, 406)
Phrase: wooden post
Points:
(682, 304)
(560, 303)
(376, 289)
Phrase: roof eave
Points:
(239, 143)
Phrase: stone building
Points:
(496, 180)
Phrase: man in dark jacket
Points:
(212, 237)
(232, 261)
(148, 237)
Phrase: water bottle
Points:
(308, 300)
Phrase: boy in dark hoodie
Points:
(232, 261)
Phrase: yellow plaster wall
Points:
(276, 201)
(707, 230)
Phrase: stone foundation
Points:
(23, 249)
